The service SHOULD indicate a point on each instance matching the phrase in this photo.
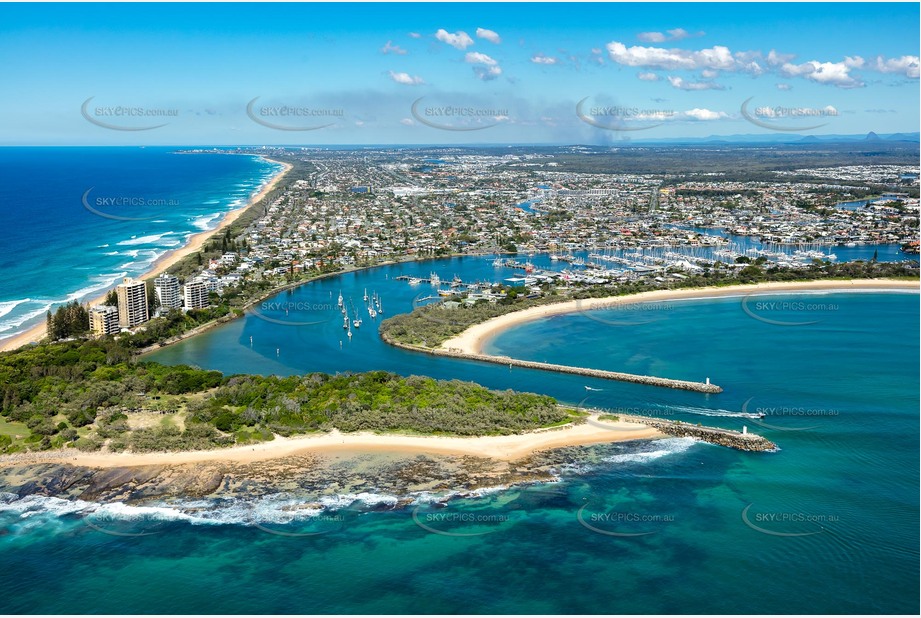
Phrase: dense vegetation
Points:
(70, 320)
(431, 325)
(92, 394)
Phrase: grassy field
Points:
(13, 429)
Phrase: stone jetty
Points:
(700, 387)
(714, 435)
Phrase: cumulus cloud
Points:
(459, 40)
(784, 86)
(716, 58)
(486, 67)
(676, 34)
(651, 37)
(906, 65)
(390, 48)
(415, 35)
(702, 114)
(490, 35)
(648, 77)
(830, 73)
(487, 73)
(407, 121)
(683, 84)
(542, 59)
(479, 58)
(406, 79)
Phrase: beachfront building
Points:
(167, 290)
(104, 320)
(196, 295)
(132, 303)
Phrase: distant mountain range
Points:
(784, 138)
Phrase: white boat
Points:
(372, 312)
(345, 322)
(434, 279)
(356, 322)
(365, 297)
(339, 302)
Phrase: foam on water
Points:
(654, 450)
(145, 240)
(7, 306)
(204, 223)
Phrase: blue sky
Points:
(452, 73)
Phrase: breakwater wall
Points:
(699, 387)
(714, 435)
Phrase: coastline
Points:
(472, 340)
(502, 448)
(165, 261)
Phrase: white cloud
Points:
(717, 57)
(648, 77)
(487, 68)
(651, 37)
(415, 35)
(479, 58)
(487, 73)
(702, 114)
(854, 62)
(490, 35)
(907, 65)
(542, 59)
(406, 79)
(390, 48)
(675, 34)
(784, 86)
(774, 59)
(683, 84)
(458, 40)
(407, 121)
(830, 73)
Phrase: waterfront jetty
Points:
(700, 387)
(739, 440)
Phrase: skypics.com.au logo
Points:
(786, 118)
(125, 117)
(293, 117)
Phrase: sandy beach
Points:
(472, 340)
(504, 448)
(195, 243)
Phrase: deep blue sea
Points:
(827, 524)
(77, 220)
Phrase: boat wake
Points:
(710, 412)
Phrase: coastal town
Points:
(352, 209)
